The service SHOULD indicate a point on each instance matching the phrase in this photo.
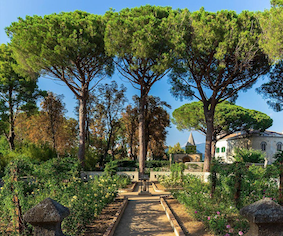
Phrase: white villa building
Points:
(268, 142)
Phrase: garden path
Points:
(144, 215)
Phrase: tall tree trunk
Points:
(87, 136)
(142, 132)
(212, 169)
(146, 126)
(54, 140)
(82, 119)
(209, 118)
(18, 211)
(108, 144)
(213, 147)
(280, 198)
(131, 146)
(11, 137)
(238, 185)
(53, 131)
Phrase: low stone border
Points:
(111, 229)
(174, 223)
(131, 189)
(163, 190)
(156, 189)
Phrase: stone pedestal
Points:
(144, 188)
(46, 218)
(265, 218)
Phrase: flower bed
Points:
(218, 215)
(105, 223)
(57, 179)
(220, 212)
(189, 225)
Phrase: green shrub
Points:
(59, 180)
(110, 168)
(249, 155)
(154, 164)
(91, 159)
(216, 213)
(38, 153)
(176, 149)
(127, 163)
(220, 213)
(122, 181)
(176, 177)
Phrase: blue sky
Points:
(10, 10)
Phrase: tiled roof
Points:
(266, 133)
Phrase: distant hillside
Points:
(201, 148)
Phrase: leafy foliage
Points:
(279, 167)
(54, 108)
(68, 46)
(154, 164)
(176, 149)
(36, 129)
(107, 106)
(249, 155)
(228, 118)
(142, 40)
(156, 122)
(273, 89)
(272, 43)
(17, 94)
(220, 213)
(59, 180)
(130, 122)
(176, 177)
(218, 57)
(271, 22)
(111, 168)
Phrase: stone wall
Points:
(186, 157)
(154, 175)
(134, 175)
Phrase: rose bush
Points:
(220, 211)
(60, 180)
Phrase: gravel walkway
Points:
(144, 215)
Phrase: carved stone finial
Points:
(46, 217)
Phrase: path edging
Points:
(131, 189)
(156, 189)
(111, 229)
(174, 223)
